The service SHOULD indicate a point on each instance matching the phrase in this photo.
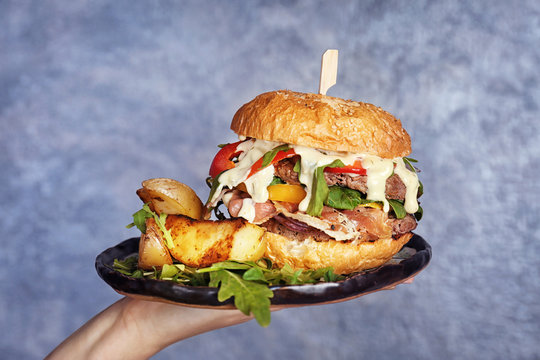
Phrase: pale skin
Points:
(137, 329)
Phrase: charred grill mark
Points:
(218, 252)
(180, 226)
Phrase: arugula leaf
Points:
(227, 265)
(213, 188)
(418, 215)
(319, 189)
(345, 198)
(249, 296)
(126, 266)
(398, 208)
(329, 276)
(247, 281)
(286, 270)
(297, 167)
(420, 188)
(319, 193)
(408, 162)
(270, 155)
(139, 220)
(168, 271)
(290, 275)
(160, 221)
(276, 180)
(254, 274)
(410, 159)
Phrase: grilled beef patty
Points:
(395, 188)
(297, 230)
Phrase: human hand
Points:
(138, 329)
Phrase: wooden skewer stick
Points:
(329, 64)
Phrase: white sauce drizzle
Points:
(378, 170)
(227, 197)
(244, 147)
(247, 211)
(258, 182)
(410, 179)
(311, 159)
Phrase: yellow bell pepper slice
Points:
(282, 192)
(294, 194)
(287, 193)
(372, 205)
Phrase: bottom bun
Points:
(344, 257)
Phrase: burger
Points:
(329, 180)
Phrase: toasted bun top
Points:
(322, 122)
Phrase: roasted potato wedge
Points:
(152, 248)
(200, 243)
(171, 197)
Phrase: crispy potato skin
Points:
(169, 196)
(197, 243)
(152, 248)
(200, 243)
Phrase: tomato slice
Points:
(355, 168)
(279, 156)
(222, 160)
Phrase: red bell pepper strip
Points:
(356, 168)
(279, 156)
(222, 160)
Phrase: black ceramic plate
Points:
(407, 263)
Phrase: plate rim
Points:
(284, 295)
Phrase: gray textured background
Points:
(96, 96)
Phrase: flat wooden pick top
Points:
(329, 63)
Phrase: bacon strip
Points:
(263, 211)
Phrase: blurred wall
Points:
(96, 96)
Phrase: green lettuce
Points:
(270, 155)
(139, 220)
(276, 181)
(345, 198)
(398, 207)
(250, 297)
(247, 282)
(319, 189)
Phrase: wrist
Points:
(137, 329)
(157, 325)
